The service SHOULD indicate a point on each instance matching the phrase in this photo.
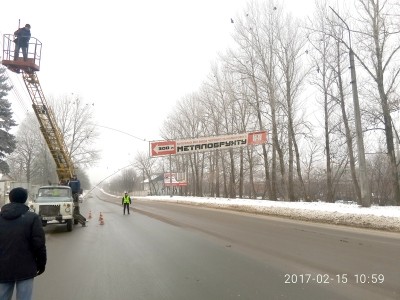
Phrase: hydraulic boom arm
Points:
(49, 128)
(28, 67)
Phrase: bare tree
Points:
(33, 161)
(256, 35)
(377, 40)
(187, 122)
(76, 121)
(310, 159)
(28, 140)
(126, 181)
(212, 119)
(290, 50)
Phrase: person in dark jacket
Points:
(23, 36)
(22, 247)
(75, 186)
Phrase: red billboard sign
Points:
(221, 142)
(257, 138)
(161, 148)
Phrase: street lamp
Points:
(365, 199)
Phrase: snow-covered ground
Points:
(375, 217)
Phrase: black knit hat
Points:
(18, 195)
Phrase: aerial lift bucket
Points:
(18, 64)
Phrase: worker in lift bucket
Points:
(21, 41)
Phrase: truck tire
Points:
(70, 225)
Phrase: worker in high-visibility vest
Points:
(126, 201)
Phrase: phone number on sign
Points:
(338, 278)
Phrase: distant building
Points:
(154, 186)
(7, 183)
(5, 187)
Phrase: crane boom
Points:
(28, 66)
(49, 128)
(45, 116)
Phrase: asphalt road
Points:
(169, 251)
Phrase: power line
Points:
(101, 181)
(138, 138)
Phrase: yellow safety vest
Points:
(126, 199)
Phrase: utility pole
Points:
(170, 175)
(365, 198)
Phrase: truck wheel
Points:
(70, 226)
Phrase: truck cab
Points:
(54, 204)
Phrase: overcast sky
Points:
(132, 59)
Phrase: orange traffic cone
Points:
(101, 219)
(90, 215)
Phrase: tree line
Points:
(291, 77)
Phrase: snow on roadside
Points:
(374, 217)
